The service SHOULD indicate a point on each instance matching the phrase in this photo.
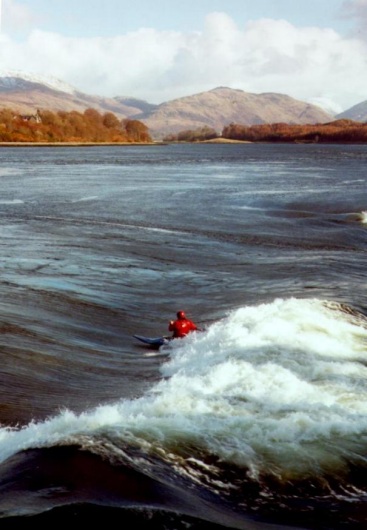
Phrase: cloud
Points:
(17, 16)
(357, 11)
(266, 55)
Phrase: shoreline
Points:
(99, 144)
(224, 141)
(77, 144)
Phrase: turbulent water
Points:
(257, 422)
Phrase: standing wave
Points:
(262, 415)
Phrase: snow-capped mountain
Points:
(25, 93)
(13, 79)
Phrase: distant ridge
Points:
(221, 106)
(356, 113)
(28, 93)
(15, 78)
(215, 108)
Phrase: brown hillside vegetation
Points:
(72, 127)
(219, 107)
(338, 131)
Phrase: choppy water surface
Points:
(260, 420)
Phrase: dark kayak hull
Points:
(153, 341)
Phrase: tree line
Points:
(74, 127)
(192, 135)
(338, 131)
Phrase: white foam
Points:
(13, 201)
(279, 386)
(9, 171)
(86, 199)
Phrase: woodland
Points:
(91, 126)
(338, 131)
(72, 127)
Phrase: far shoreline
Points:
(218, 140)
(77, 144)
(224, 141)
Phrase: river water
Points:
(258, 421)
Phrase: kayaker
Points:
(181, 326)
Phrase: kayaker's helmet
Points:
(181, 315)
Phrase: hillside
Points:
(356, 113)
(215, 108)
(222, 106)
(26, 96)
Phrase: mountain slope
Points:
(222, 106)
(27, 95)
(356, 113)
(216, 108)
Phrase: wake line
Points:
(107, 223)
(238, 239)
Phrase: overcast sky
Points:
(159, 50)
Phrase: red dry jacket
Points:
(181, 327)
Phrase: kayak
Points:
(153, 341)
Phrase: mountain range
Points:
(215, 108)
